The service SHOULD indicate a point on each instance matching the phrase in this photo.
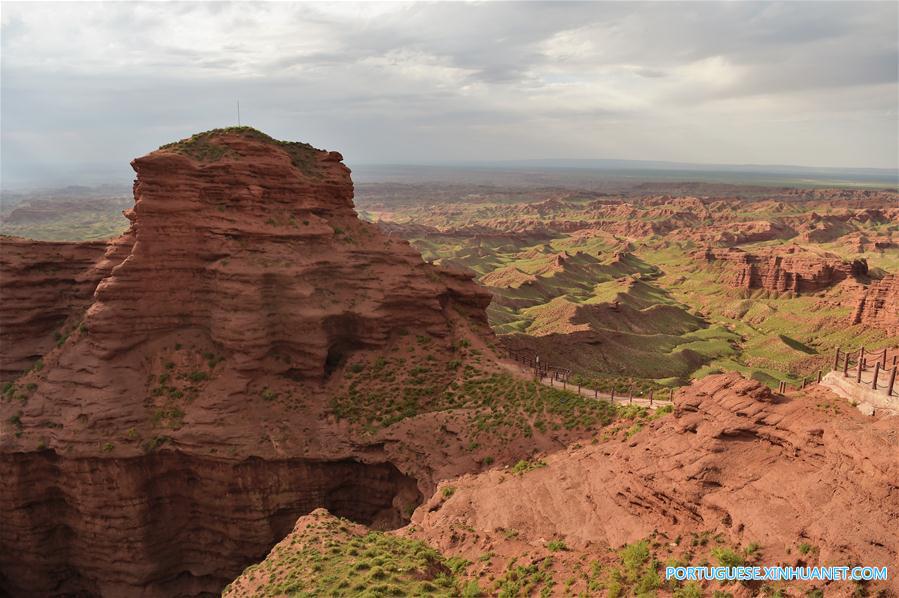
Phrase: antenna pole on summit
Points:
(238, 113)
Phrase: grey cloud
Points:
(418, 82)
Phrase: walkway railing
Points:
(531, 360)
(881, 366)
(859, 363)
(541, 369)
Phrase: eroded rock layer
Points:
(784, 270)
(174, 434)
(46, 288)
(734, 459)
(878, 305)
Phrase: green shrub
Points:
(198, 376)
(524, 466)
(16, 420)
(649, 582)
(690, 590)
(633, 556)
(727, 557)
(556, 545)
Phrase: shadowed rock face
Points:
(185, 525)
(46, 288)
(183, 425)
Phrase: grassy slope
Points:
(330, 556)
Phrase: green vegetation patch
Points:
(204, 147)
(334, 557)
(391, 389)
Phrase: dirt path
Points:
(522, 372)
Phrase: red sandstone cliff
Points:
(878, 305)
(783, 270)
(187, 420)
(46, 288)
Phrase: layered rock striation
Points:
(734, 461)
(781, 271)
(176, 431)
(878, 305)
(46, 288)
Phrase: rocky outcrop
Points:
(734, 461)
(783, 270)
(736, 473)
(46, 289)
(878, 305)
(185, 423)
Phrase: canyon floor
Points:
(264, 382)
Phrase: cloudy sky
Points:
(86, 87)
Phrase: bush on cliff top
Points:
(202, 147)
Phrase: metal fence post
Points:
(876, 372)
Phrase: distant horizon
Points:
(611, 167)
(588, 163)
(673, 163)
